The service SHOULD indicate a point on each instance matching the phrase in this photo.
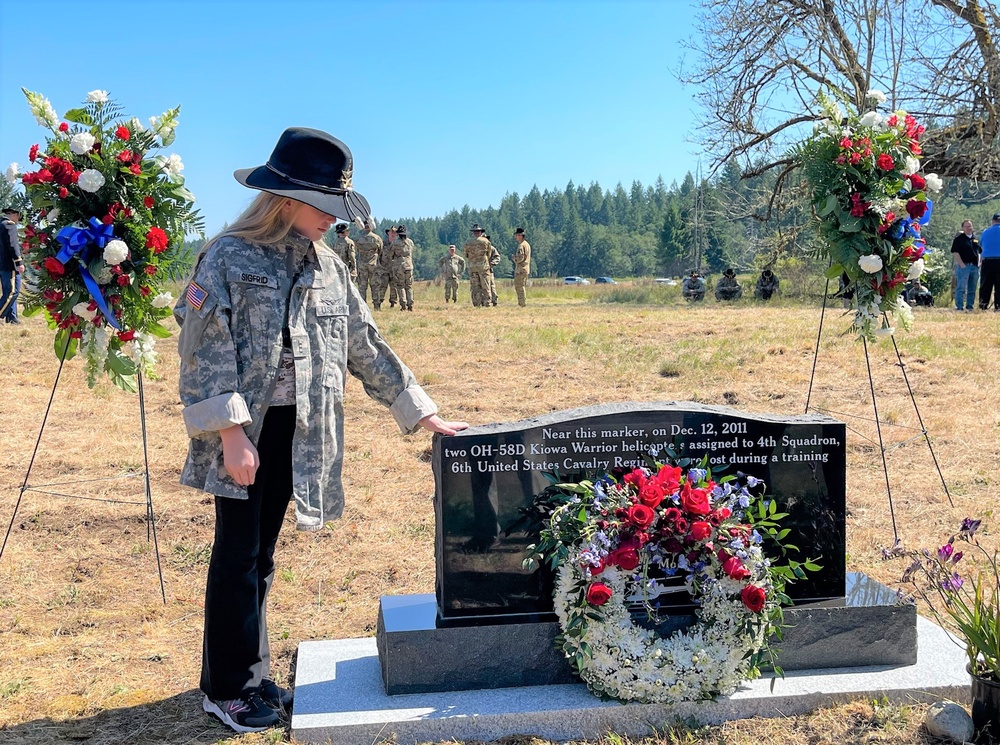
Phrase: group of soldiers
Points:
(379, 265)
(481, 257)
(728, 287)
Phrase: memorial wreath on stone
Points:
(619, 546)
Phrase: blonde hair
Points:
(264, 221)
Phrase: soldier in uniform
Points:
(693, 287)
(477, 253)
(767, 285)
(491, 279)
(451, 266)
(728, 287)
(369, 246)
(382, 272)
(270, 324)
(522, 265)
(401, 268)
(344, 248)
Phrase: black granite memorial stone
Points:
(486, 475)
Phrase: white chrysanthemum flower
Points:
(872, 119)
(115, 252)
(172, 166)
(83, 310)
(876, 95)
(916, 269)
(934, 182)
(870, 263)
(163, 300)
(91, 180)
(11, 173)
(82, 143)
(97, 96)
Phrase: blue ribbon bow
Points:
(76, 242)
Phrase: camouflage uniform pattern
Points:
(728, 288)
(477, 252)
(451, 268)
(344, 248)
(490, 276)
(231, 348)
(522, 268)
(401, 270)
(693, 288)
(368, 246)
(766, 286)
(383, 276)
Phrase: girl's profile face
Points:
(308, 221)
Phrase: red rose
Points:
(641, 516)
(885, 162)
(54, 267)
(108, 219)
(125, 156)
(148, 201)
(625, 558)
(64, 127)
(671, 514)
(598, 593)
(734, 568)
(122, 133)
(136, 169)
(700, 530)
(63, 192)
(681, 525)
(916, 209)
(156, 239)
(753, 597)
(150, 269)
(122, 280)
(33, 153)
(695, 501)
(651, 494)
(917, 182)
(126, 335)
(637, 478)
(669, 478)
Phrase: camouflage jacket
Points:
(451, 267)
(522, 258)
(477, 252)
(230, 347)
(344, 248)
(368, 246)
(401, 254)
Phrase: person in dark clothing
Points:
(965, 251)
(989, 266)
(11, 264)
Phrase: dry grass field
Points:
(89, 653)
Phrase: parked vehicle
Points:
(666, 281)
(604, 281)
(575, 281)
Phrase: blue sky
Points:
(442, 103)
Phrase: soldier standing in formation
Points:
(522, 265)
(452, 267)
(477, 253)
(382, 274)
(728, 287)
(344, 248)
(369, 246)
(491, 279)
(401, 268)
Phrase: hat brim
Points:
(348, 206)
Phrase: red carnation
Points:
(44, 176)
(917, 182)
(753, 597)
(915, 148)
(125, 156)
(598, 594)
(63, 192)
(156, 239)
(126, 335)
(734, 568)
(33, 153)
(150, 270)
(76, 334)
(144, 291)
(916, 209)
(122, 280)
(54, 267)
(64, 127)
(885, 162)
(641, 516)
(148, 201)
(122, 133)
(700, 530)
(136, 169)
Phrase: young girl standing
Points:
(270, 324)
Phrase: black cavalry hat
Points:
(401, 230)
(341, 228)
(310, 166)
(476, 228)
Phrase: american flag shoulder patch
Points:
(196, 295)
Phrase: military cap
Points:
(12, 210)
(401, 230)
(476, 228)
(341, 228)
(518, 231)
(390, 229)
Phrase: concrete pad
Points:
(339, 698)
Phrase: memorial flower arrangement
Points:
(107, 233)
(971, 602)
(618, 546)
(867, 190)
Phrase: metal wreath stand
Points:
(922, 429)
(44, 488)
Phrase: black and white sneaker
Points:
(278, 698)
(248, 713)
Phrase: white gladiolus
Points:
(934, 182)
(97, 96)
(42, 110)
(91, 180)
(115, 253)
(163, 300)
(870, 263)
(876, 95)
(81, 143)
(172, 166)
(11, 173)
(916, 269)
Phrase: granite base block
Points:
(867, 628)
(340, 699)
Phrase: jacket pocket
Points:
(332, 321)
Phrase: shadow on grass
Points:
(178, 719)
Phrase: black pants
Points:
(989, 284)
(235, 651)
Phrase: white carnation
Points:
(115, 253)
(912, 164)
(871, 119)
(52, 216)
(163, 300)
(934, 182)
(83, 310)
(97, 96)
(172, 166)
(91, 180)
(11, 173)
(870, 263)
(82, 143)
(876, 95)
(916, 269)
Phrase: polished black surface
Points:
(486, 474)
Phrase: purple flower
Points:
(945, 552)
(953, 583)
(970, 526)
(957, 556)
